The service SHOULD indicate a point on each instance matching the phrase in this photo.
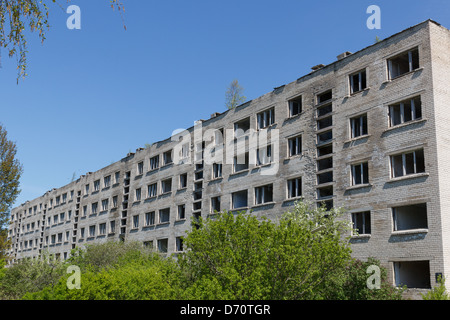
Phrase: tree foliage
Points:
(29, 276)
(19, 16)
(233, 95)
(10, 172)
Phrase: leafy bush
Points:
(136, 280)
(439, 292)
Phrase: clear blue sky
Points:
(94, 94)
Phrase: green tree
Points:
(18, 16)
(237, 256)
(233, 95)
(10, 172)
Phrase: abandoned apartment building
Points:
(368, 132)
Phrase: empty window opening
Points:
(410, 217)
(198, 175)
(217, 170)
(197, 205)
(241, 162)
(150, 218)
(358, 81)
(360, 174)
(405, 111)
(92, 231)
(325, 177)
(294, 188)
(324, 192)
(105, 204)
(183, 180)
(325, 136)
(164, 215)
(295, 106)
(295, 146)
(197, 195)
(199, 151)
(403, 63)
(181, 212)
(323, 97)
(163, 245)
(166, 185)
(413, 274)
(324, 164)
(154, 162)
(198, 186)
(112, 226)
(358, 126)
(215, 204)
(152, 190)
(138, 195)
(264, 194)
(167, 157)
(407, 163)
(184, 152)
(135, 221)
(324, 123)
(361, 222)
(264, 155)
(94, 207)
(179, 244)
(241, 127)
(96, 186)
(140, 168)
(239, 199)
(265, 118)
(148, 244)
(218, 137)
(327, 204)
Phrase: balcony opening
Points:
(324, 123)
(324, 137)
(325, 177)
(323, 97)
(324, 192)
(324, 164)
(324, 150)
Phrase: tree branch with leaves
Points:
(18, 16)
